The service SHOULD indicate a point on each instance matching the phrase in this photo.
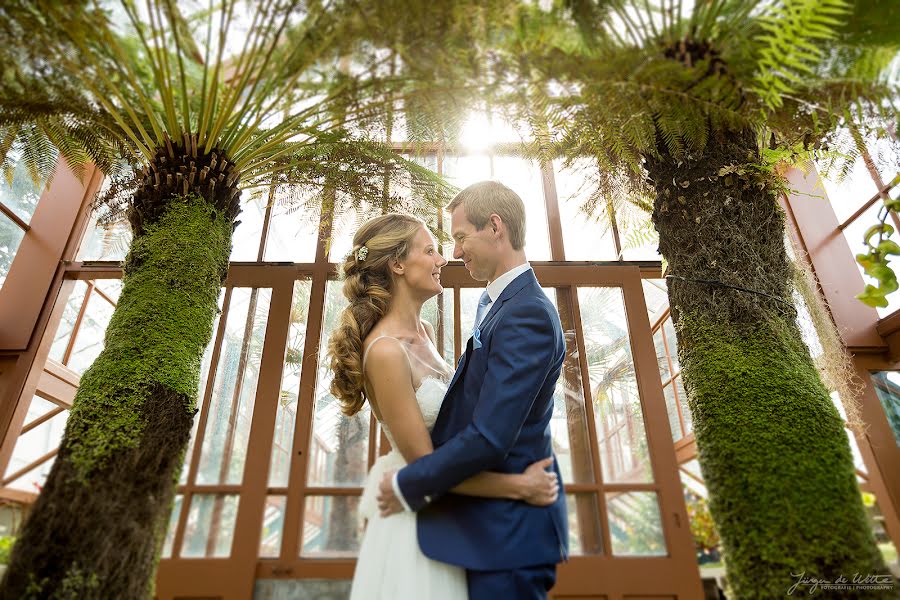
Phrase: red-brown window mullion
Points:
(673, 375)
(294, 506)
(42, 419)
(589, 415)
(457, 324)
(15, 218)
(188, 490)
(29, 467)
(77, 325)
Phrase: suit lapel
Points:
(514, 287)
(459, 367)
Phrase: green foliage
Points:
(162, 323)
(812, 84)
(792, 44)
(76, 584)
(875, 261)
(637, 78)
(6, 545)
(703, 528)
(113, 85)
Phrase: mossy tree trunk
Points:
(97, 528)
(772, 446)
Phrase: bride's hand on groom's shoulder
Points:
(540, 487)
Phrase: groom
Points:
(495, 416)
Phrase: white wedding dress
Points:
(391, 566)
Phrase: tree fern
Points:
(791, 45)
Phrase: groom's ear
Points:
(496, 223)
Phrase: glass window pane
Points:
(344, 229)
(201, 390)
(887, 386)
(672, 343)
(209, 530)
(662, 361)
(339, 447)
(807, 327)
(697, 488)
(568, 425)
(234, 395)
(89, 340)
(111, 288)
(584, 237)
(294, 228)
(67, 323)
(439, 312)
(463, 171)
(272, 527)
(524, 178)
(858, 462)
(301, 589)
(11, 236)
(585, 536)
(110, 241)
(22, 196)
(619, 418)
(685, 407)
(247, 235)
(885, 154)
(656, 298)
(672, 412)
(847, 195)
(331, 528)
(635, 527)
(33, 481)
(468, 305)
(38, 408)
(430, 162)
(37, 442)
(639, 238)
(286, 415)
(173, 524)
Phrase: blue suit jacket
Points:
(495, 417)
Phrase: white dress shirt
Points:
(494, 289)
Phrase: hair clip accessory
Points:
(362, 253)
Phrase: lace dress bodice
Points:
(433, 377)
(432, 374)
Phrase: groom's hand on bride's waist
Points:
(388, 503)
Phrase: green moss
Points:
(158, 331)
(775, 457)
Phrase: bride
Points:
(383, 352)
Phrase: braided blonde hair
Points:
(368, 285)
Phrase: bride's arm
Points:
(534, 486)
(388, 372)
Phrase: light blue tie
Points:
(482, 306)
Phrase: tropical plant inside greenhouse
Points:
(690, 110)
(183, 110)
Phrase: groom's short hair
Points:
(484, 198)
